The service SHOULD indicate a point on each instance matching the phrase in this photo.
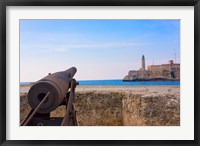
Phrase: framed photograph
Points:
(99, 72)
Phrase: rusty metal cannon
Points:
(47, 94)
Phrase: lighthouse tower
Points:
(143, 63)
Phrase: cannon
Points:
(49, 93)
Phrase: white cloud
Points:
(65, 48)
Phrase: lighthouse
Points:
(143, 63)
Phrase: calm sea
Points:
(121, 83)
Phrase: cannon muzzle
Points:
(57, 84)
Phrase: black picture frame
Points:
(5, 3)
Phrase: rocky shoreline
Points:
(149, 79)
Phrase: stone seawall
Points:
(127, 109)
(121, 106)
(99, 109)
(151, 110)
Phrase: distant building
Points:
(170, 71)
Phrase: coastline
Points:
(151, 79)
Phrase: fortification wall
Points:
(162, 67)
(127, 109)
(155, 106)
(151, 110)
(159, 67)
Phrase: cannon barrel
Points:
(57, 84)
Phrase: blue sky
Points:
(99, 49)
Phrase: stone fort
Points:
(168, 72)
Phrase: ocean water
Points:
(24, 83)
(121, 83)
